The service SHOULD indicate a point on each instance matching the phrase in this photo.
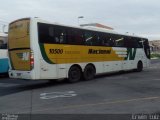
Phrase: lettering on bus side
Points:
(55, 51)
(92, 51)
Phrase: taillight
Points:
(31, 59)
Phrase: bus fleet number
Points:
(55, 51)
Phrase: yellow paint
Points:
(79, 54)
(19, 38)
(19, 60)
(19, 34)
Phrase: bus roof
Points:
(83, 28)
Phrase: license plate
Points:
(18, 74)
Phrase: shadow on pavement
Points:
(23, 85)
(18, 85)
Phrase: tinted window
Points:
(3, 46)
(44, 33)
(132, 42)
(138, 43)
(74, 36)
(105, 39)
(51, 33)
(145, 43)
(66, 35)
(112, 40)
(119, 41)
(59, 34)
(116, 40)
(128, 42)
(91, 38)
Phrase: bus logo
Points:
(99, 51)
(23, 56)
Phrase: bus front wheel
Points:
(139, 66)
(74, 74)
(89, 72)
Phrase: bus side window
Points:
(111, 41)
(99, 40)
(136, 42)
(105, 39)
(130, 42)
(88, 38)
(74, 36)
(119, 41)
(60, 35)
(92, 38)
(95, 40)
(3, 46)
(79, 37)
(1, 43)
(45, 33)
(140, 43)
(51, 34)
(51, 31)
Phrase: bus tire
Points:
(89, 72)
(139, 66)
(74, 74)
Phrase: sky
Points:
(139, 17)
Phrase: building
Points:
(155, 46)
(97, 25)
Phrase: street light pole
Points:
(80, 17)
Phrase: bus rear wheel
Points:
(139, 66)
(89, 72)
(74, 74)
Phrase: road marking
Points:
(53, 95)
(100, 103)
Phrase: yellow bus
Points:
(40, 49)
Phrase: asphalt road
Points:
(129, 92)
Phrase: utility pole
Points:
(80, 17)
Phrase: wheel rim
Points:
(89, 73)
(140, 66)
(74, 74)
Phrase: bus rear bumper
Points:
(21, 74)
